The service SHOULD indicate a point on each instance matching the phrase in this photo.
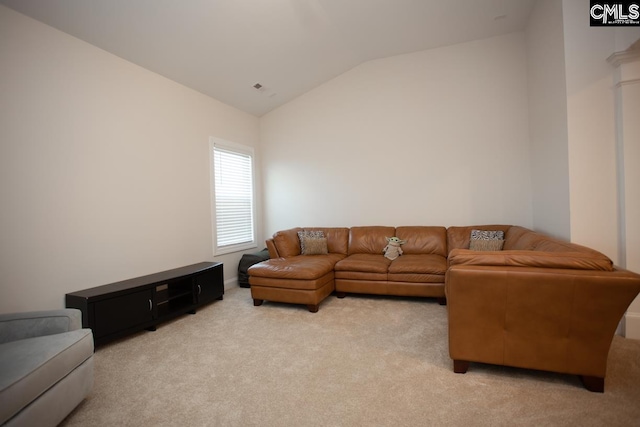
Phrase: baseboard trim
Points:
(632, 325)
(230, 283)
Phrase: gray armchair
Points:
(46, 366)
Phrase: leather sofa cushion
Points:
(426, 268)
(520, 238)
(369, 263)
(415, 278)
(362, 275)
(306, 267)
(292, 284)
(424, 264)
(287, 242)
(369, 240)
(513, 235)
(423, 240)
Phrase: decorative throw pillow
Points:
(315, 246)
(487, 235)
(486, 240)
(308, 234)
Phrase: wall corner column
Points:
(627, 110)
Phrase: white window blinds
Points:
(233, 199)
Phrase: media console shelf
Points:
(118, 309)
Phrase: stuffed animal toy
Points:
(393, 249)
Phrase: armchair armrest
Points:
(17, 326)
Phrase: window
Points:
(232, 197)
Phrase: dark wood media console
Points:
(118, 309)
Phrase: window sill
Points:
(225, 250)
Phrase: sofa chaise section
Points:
(291, 277)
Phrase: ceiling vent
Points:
(264, 90)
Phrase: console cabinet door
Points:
(210, 285)
(123, 312)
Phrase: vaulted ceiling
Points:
(222, 48)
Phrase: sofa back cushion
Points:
(369, 240)
(287, 242)
(513, 239)
(523, 239)
(520, 238)
(460, 237)
(423, 240)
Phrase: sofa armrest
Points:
(558, 320)
(538, 259)
(271, 247)
(17, 326)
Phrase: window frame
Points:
(243, 150)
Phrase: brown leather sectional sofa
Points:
(539, 303)
(354, 264)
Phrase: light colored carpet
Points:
(359, 361)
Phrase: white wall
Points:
(548, 119)
(104, 169)
(438, 137)
(573, 124)
(591, 130)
